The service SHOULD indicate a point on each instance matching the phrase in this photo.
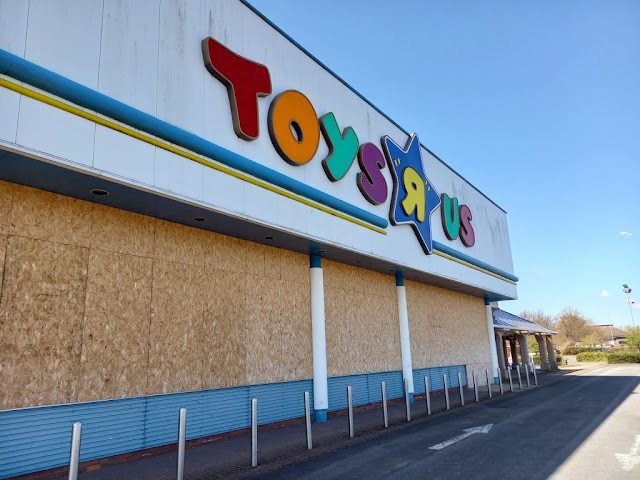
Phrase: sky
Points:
(536, 103)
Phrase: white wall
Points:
(147, 54)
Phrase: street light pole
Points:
(626, 289)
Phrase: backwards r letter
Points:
(245, 81)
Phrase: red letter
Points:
(245, 81)
(467, 235)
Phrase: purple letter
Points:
(371, 182)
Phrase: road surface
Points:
(581, 427)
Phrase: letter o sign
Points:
(293, 127)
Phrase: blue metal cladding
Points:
(39, 438)
(436, 381)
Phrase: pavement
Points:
(286, 446)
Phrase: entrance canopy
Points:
(508, 321)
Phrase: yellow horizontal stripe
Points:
(183, 153)
(221, 168)
(466, 264)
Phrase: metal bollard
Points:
(407, 404)
(385, 413)
(182, 432)
(254, 432)
(486, 370)
(74, 455)
(475, 386)
(307, 415)
(426, 395)
(500, 381)
(526, 370)
(519, 377)
(461, 390)
(446, 390)
(510, 381)
(535, 374)
(350, 407)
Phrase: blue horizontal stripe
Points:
(473, 261)
(62, 87)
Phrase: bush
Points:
(627, 357)
(536, 359)
(571, 350)
(590, 357)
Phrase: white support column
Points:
(492, 342)
(405, 338)
(319, 342)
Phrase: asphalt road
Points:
(582, 427)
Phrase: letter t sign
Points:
(245, 81)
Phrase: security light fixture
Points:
(99, 192)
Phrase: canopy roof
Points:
(508, 321)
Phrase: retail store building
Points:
(195, 211)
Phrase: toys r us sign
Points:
(295, 129)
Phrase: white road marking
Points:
(631, 459)
(468, 433)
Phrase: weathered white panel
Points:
(323, 226)
(150, 57)
(182, 72)
(122, 155)
(56, 132)
(260, 203)
(13, 31)
(292, 215)
(9, 106)
(178, 174)
(13, 25)
(64, 36)
(223, 191)
(129, 53)
(223, 21)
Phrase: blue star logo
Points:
(414, 197)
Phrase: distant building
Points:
(615, 335)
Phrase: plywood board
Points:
(225, 338)
(179, 243)
(175, 356)
(115, 348)
(447, 328)
(120, 231)
(6, 199)
(47, 216)
(226, 253)
(362, 326)
(40, 322)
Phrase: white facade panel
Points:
(55, 132)
(64, 36)
(129, 53)
(180, 85)
(223, 191)
(124, 156)
(9, 106)
(149, 56)
(179, 175)
(13, 26)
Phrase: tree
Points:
(632, 338)
(572, 327)
(542, 319)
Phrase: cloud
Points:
(626, 234)
(540, 271)
(604, 293)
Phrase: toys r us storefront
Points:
(194, 211)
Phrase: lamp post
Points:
(626, 289)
